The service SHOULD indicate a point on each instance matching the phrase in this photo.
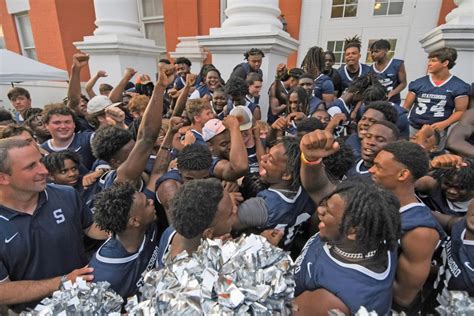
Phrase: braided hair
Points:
(373, 213)
(313, 61)
(302, 98)
(292, 150)
(374, 92)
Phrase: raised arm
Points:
(163, 157)
(116, 93)
(314, 147)
(183, 97)
(92, 81)
(79, 61)
(237, 166)
(460, 134)
(133, 166)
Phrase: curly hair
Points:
(360, 84)
(308, 124)
(108, 141)
(380, 44)
(352, 42)
(251, 185)
(138, 103)
(194, 107)
(374, 92)
(253, 52)
(292, 151)
(112, 207)
(313, 61)
(236, 87)
(463, 177)
(194, 157)
(410, 155)
(373, 213)
(195, 206)
(337, 164)
(386, 108)
(182, 60)
(12, 130)
(54, 162)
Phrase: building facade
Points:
(46, 29)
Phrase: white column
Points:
(189, 47)
(250, 24)
(118, 43)
(458, 32)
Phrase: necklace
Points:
(352, 255)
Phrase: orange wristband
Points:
(311, 163)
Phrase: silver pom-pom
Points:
(80, 298)
(235, 277)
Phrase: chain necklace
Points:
(353, 255)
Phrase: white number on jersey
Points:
(437, 109)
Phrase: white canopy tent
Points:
(17, 68)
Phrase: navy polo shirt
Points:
(48, 243)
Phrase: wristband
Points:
(311, 163)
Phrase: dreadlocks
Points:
(352, 42)
(373, 213)
(313, 62)
(292, 150)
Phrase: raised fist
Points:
(318, 144)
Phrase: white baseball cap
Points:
(99, 103)
(244, 115)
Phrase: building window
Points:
(390, 53)
(337, 47)
(388, 7)
(25, 35)
(343, 8)
(153, 21)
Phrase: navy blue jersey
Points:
(108, 179)
(339, 106)
(436, 200)
(323, 85)
(248, 103)
(457, 272)
(416, 215)
(389, 77)
(172, 174)
(242, 70)
(359, 170)
(353, 284)
(354, 142)
(346, 79)
(123, 270)
(48, 243)
(150, 163)
(434, 103)
(287, 213)
(179, 83)
(215, 161)
(199, 138)
(164, 246)
(252, 158)
(313, 105)
(83, 125)
(81, 144)
(100, 164)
